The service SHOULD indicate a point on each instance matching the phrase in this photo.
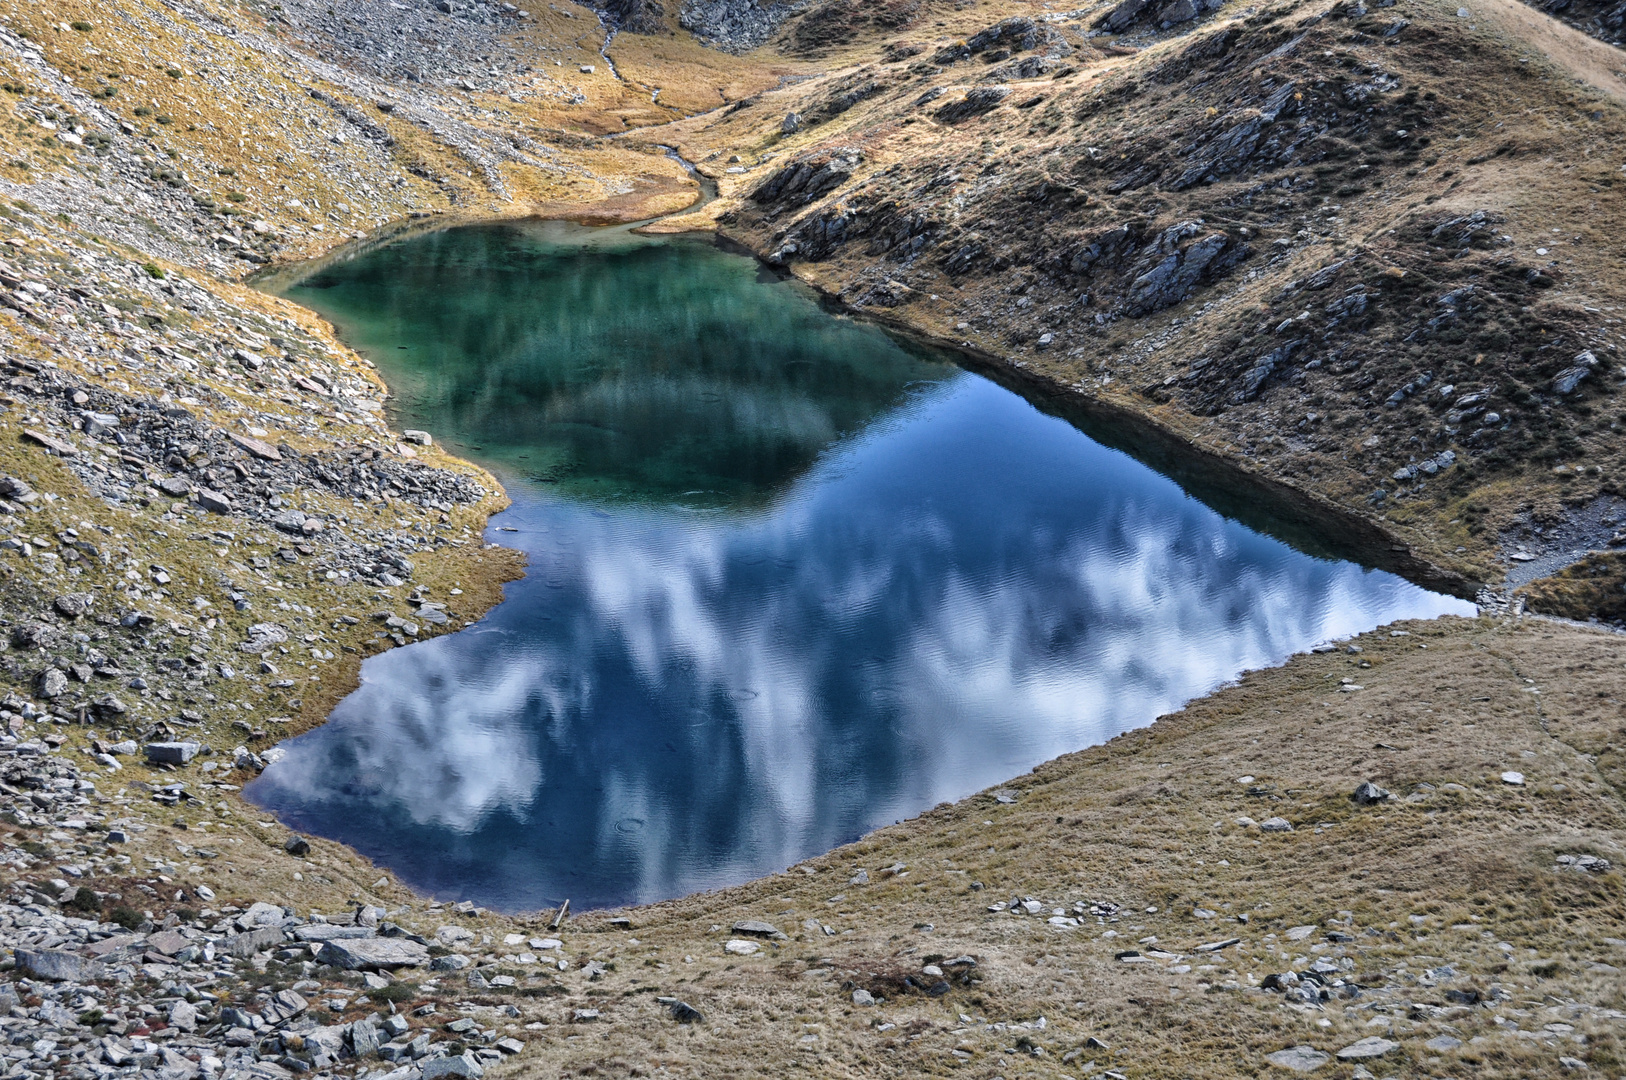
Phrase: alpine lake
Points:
(790, 578)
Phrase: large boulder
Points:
(56, 965)
(374, 954)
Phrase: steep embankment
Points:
(1281, 234)
(1365, 253)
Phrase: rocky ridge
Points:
(1283, 233)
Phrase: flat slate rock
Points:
(58, 966)
(1370, 1047)
(167, 942)
(247, 944)
(56, 446)
(756, 928)
(1298, 1058)
(373, 953)
(331, 932)
(254, 447)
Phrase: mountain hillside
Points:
(1355, 262)
(1368, 253)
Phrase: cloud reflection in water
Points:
(672, 701)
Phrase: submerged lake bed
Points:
(789, 578)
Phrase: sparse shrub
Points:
(394, 992)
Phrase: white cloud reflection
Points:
(670, 702)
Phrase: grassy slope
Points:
(1442, 876)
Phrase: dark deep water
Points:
(789, 580)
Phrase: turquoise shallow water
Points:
(789, 580)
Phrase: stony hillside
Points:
(1366, 252)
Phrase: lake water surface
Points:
(789, 579)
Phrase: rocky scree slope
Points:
(1308, 238)
(1602, 19)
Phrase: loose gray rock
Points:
(364, 1040)
(262, 636)
(684, 1013)
(1370, 1047)
(283, 1007)
(863, 997)
(172, 753)
(59, 966)
(1298, 1058)
(183, 1015)
(1571, 377)
(247, 944)
(73, 605)
(464, 1065)
(260, 913)
(214, 501)
(757, 928)
(1276, 824)
(52, 683)
(374, 954)
(1369, 793)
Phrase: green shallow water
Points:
(611, 366)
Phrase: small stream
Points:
(790, 579)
